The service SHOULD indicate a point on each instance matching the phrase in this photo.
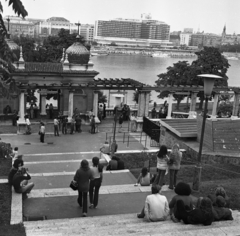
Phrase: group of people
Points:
(162, 113)
(182, 208)
(18, 176)
(88, 179)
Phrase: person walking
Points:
(95, 183)
(56, 127)
(174, 166)
(42, 132)
(93, 125)
(82, 177)
(64, 125)
(162, 165)
(72, 125)
(28, 125)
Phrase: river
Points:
(145, 69)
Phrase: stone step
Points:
(127, 224)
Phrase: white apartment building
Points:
(185, 39)
(87, 31)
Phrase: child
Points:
(14, 154)
(144, 178)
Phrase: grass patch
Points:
(226, 175)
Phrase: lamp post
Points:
(208, 87)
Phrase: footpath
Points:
(52, 166)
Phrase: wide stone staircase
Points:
(128, 224)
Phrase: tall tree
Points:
(209, 61)
(175, 75)
(7, 84)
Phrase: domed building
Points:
(78, 54)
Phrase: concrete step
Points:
(107, 189)
(128, 224)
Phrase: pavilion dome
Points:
(78, 54)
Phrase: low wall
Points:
(220, 135)
(168, 138)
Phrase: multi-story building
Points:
(87, 31)
(145, 32)
(185, 38)
(19, 26)
(175, 38)
(201, 39)
(53, 25)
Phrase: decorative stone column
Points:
(147, 98)
(70, 104)
(141, 104)
(214, 109)
(235, 106)
(170, 100)
(43, 102)
(95, 103)
(193, 106)
(21, 107)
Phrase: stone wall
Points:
(168, 138)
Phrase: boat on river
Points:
(99, 52)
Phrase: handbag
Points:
(73, 185)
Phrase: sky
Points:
(209, 16)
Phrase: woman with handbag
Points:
(82, 177)
(95, 183)
(174, 165)
(162, 165)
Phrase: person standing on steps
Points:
(174, 166)
(162, 165)
(42, 132)
(95, 183)
(82, 177)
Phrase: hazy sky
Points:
(207, 15)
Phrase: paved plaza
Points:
(52, 166)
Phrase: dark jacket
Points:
(198, 216)
(120, 165)
(17, 179)
(83, 177)
(11, 174)
(222, 213)
(187, 200)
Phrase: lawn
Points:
(212, 176)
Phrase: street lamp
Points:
(208, 80)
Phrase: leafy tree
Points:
(52, 48)
(175, 75)
(101, 97)
(209, 61)
(7, 84)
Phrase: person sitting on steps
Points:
(156, 206)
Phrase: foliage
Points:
(31, 99)
(7, 84)
(225, 107)
(209, 61)
(175, 75)
(101, 97)
(50, 50)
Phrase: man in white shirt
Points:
(28, 123)
(156, 206)
(56, 127)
